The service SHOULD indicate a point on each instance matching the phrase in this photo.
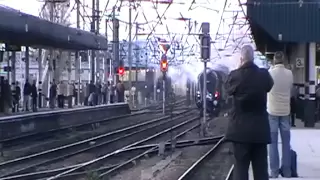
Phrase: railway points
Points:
(173, 163)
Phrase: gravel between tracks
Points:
(181, 163)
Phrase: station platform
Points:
(305, 141)
(45, 120)
(45, 109)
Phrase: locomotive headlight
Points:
(209, 96)
(215, 102)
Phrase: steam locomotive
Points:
(215, 95)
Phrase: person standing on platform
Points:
(7, 97)
(248, 129)
(26, 95)
(60, 95)
(34, 96)
(70, 93)
(52, 94)
(120, 91)
(17, 97)
(75, 94)
(86, 93)
(105, 93)
(92, 93)
(111, 92)
(278, 107)
(98, 93)
(65, 93)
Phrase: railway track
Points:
(26, 138)
(212, 165)
(11, 144)
(230, 173)
(146, 129)
(136, 152)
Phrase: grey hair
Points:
(247, 53)
(278, 57)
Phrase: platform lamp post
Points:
(205, 40)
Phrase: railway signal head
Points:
(121, 71)
(164, 64)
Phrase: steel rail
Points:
(97, 160)
(146, 150)
(70, 128)
(18, 139)
(229, 175)
(186, 175)
(47, 173)
(65, 130)
(168, 145)
(152, 150)
(83, 146)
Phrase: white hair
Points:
(247, 53)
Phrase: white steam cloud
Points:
(193, 68)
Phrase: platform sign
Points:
(299, 62)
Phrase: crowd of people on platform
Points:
(263, 104)
(61, 93)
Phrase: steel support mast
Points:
(205, 56)
(93, 30)
(115, 62)
(77, 58)
(130, 54)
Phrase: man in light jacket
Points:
(70, 93)
(60, 95)
(278, 107)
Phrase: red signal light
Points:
(216, 94)
(121, 71)
(164, 65)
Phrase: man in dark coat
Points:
(248, 128)
(52, 94)
(34, 95)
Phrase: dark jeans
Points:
(52, 102)
(282, 124)
(257, 154)
(111, 99)
(60, 101)
(34, 104)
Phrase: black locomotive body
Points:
(215, 92)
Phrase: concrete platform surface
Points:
(37, 122)
(45, 109)
(42, 111)
(306, 142)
